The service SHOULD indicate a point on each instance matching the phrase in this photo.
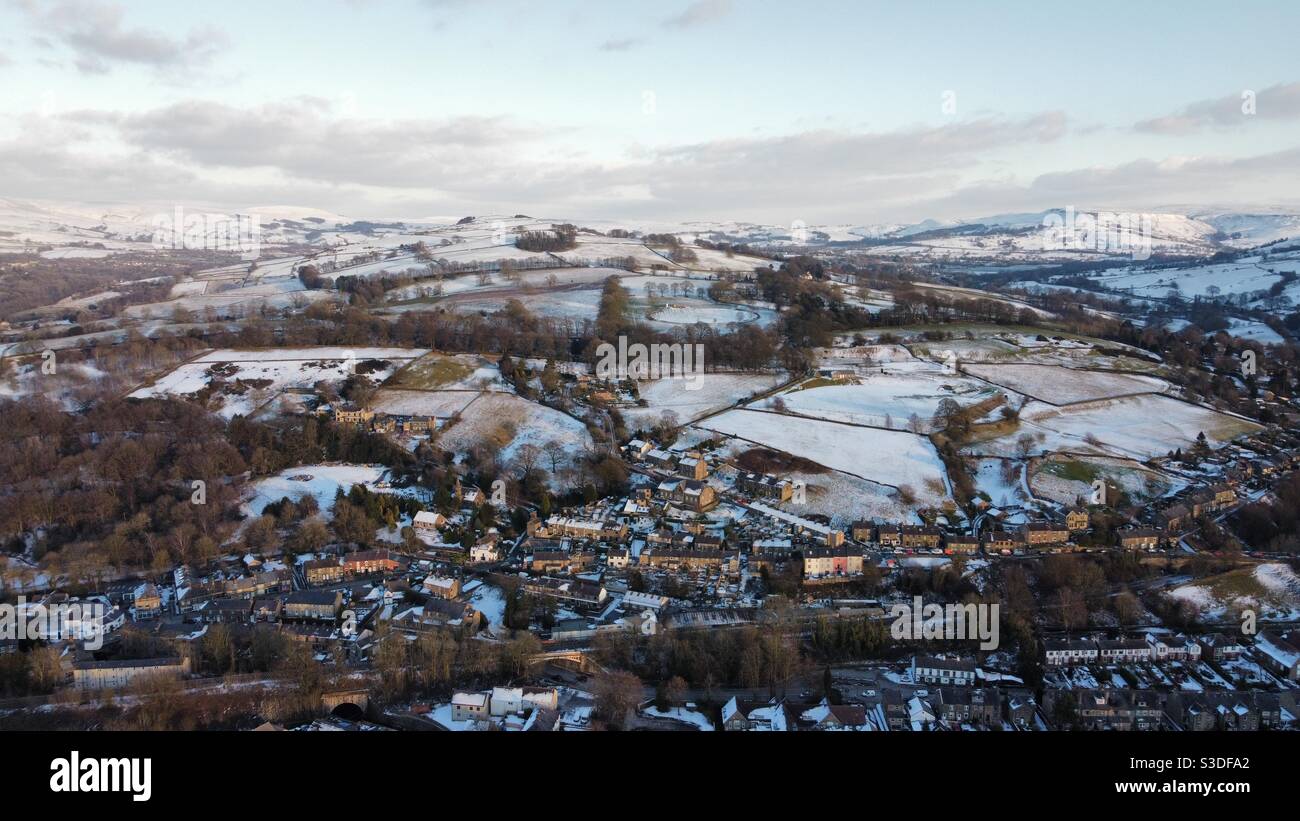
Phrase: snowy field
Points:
(501, 424)
(1001, 480)
(321, 481)
(676, 314)
(1241, 277)
(1136, 427)
(883, 400)
(575, 306)
(1271, 589)
(279, 368)
(889, 457)
(449, 372)
(1063, 386)
(1064, 480)
(716, 391)
(440, 404)
(846, 499)
(490, 601)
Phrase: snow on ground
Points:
(502, 424)
(491, 602)
(954, 292)
(312, 354)
(1063, 386)
(1257, 331)
(1279, 579)
(1241, 277)
(281, 368)
(1064, 480)
(846, 499)
(441, 404)
(927, 562)
(572, 305)
(449, 372)
(321, 481)
(882, 399)
(1272, 589)
(1136, 427)
(1001, 480)
(27, 379)
(699, 720)
(890, 457)
(676, 314)
(715, 392)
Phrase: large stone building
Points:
(104, 675)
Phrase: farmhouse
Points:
(444, 587)
(429, 522)
(1076, 520)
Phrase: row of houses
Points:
(1283, 649)
(889, 709)
(1031, 535)
(1152, 648)
(1206, 502)
(1127, 709)
(352, 565)
(383, 422)
(300, 605)
(502, 701)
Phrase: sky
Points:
(821, 112)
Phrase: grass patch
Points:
(817, 382)
(430, 372)
(1073, 471)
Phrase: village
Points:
(698, 543)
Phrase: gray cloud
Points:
(1277, 102)
(301, 139)
(99, 38)
(626, 44)
(699, 13)
(300, 151)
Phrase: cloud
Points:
(621, 45)
(1142, 184)
(1277, 102)
(99, 38)
(302, 138)
(699, 13)
(302, 150)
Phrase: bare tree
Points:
(555, 453)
